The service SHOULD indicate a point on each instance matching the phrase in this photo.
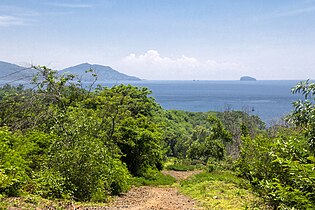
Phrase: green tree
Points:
(304, 110)
(209, 143)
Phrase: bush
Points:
(89, 168)
(13, 167)
(51, 184)
(281, 169)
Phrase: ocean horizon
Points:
(268, 99)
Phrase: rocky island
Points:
(247, 78)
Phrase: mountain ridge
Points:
(11, 72)
(104, 73)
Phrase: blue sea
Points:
(270, 100)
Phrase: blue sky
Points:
(164, 39)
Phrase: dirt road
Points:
(156, 198)
(153, 198)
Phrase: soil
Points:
(157, 198)
(153, 198)
(179, 175)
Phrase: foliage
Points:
(13, 166)
(63, 140)
(153, 178)
(281, 169)
(198, 136)
(209, 143)
(66, 141)
(183, 165)
(178, 127)
(239, 123)
(304, 110)
(127, 116)
(220, 190)
(282, 162)
(8, 90)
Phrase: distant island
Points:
(247, 78)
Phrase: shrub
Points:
(281, 169)
(13, 167)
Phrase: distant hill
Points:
(247, 78)
(10, 72)
(104, 73)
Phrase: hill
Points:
(10, 72)
(104, 73)
(247, 78)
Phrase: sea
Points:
(269, 99)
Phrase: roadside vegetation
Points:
(63, 142)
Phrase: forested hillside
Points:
(59, 140)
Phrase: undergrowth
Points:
(182, 165)
(151, 178)
(221, 190)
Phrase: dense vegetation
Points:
(61, 139)
(280, 162)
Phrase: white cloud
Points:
(153, 58)
(69, 5)
(7, 20)
(154, 66)
(288, 12)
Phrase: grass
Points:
(35, 202)
(31, 202)
(153, 179)
(182, 165)
(179, 167)
(221, 190)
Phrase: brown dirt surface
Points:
(157, 198)
(154, 198)
(180, 175)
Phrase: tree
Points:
(209, 143)
(304, 112)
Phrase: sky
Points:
(164, 39)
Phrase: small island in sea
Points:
(247, 78)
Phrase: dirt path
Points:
(179, 175)
(153, 198)
(156, 198)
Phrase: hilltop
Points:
(104, 73)
(13, 72)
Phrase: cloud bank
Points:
(154, 66)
